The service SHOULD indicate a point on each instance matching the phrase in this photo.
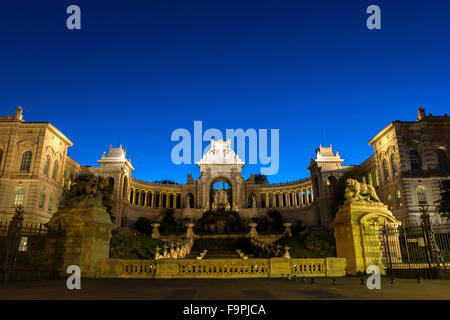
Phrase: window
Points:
(26, 161)
(389, 201)
(55, 170)
(421, 196)
(385, 170)
(18, 199)
(399, 198)
(50, 203)
(46, 165)
(442, 158)
(414, 160)
(377, 177)
(41, 200)
(393, 164)
(370, 178)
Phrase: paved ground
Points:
(205, 289)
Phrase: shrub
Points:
(320, 245)
(143, 225)
(124, 246)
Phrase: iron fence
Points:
(29, 251)
(417, 250)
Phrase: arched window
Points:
(46, 165)
(263, 201)
(393, 164)
(414, 160)
(55, 170)
(26, 161)
(131, 195)
(442, 158)
(18, 199)
(385, 170)
(125, 188)
(421, 196)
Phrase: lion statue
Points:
(355, 190)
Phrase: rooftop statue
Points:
(221, 153)
(356, 191)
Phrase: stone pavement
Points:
(236, 289)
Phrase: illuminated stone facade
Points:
(35, 169)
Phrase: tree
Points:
(261, 179)
(143, 225)
(444, 201)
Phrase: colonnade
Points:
(155, 199)
(287, 199)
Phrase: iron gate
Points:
(417, 250)
(29, 252)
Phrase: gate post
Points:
(357, 228)
(87, 227)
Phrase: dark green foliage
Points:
(166, 182)
(339, 190)
(261, 179)
(319, 245)
(169, 225)
(444, 201)
(143, 225)
(124, 246)
(272, 224)
(220, 221)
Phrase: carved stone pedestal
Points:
(87, 230)
(357, 232)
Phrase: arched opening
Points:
(125, 187)
(442, 159)
(250, 199)
(136, 197)
(221, 194)
(131, 196)
(189, 200)
(143, 199)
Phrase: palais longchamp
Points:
(409, 159)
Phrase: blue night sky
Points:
(308, 68)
